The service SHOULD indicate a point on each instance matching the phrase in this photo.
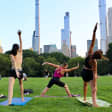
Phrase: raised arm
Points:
(93, 40)
(19, 34)
(71, 69)
(51, 64)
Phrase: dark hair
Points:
(64, 64)
(14, 50)
(97, 54)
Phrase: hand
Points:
(95, 28)
(97, 76)
(44, 63)
(78, 65)
(18, 75)
(19, 32)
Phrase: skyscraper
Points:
(95, 46)
(50, 48)
(73, 51)
(65, 36)
(36, 33)
(109, 26)
(1, 50)
(102, 17)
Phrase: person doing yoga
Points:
(89, 72)
(16, 69)
(59, 72)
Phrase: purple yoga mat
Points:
(58, 96)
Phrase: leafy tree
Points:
(4, 65)
(31, 67)
(29, 53)
(73, 62)
(50, 68)
(103, 67)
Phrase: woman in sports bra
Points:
(59, 72)
(89, 72)
(16, 69)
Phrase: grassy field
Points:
(59, 104)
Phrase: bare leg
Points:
(21, 89)
(85, 90)
(10, 89)
(67, 90)
(94, 91)
(44, 91)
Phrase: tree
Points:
(29, 53)
(48, 67)
(73, 62)
(103, 67)
(31, 67)
(109, 52)
(4, 64)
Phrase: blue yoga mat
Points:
(17, 101)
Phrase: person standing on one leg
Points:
(16, 70)
(59, 72)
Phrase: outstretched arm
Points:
(93, 40)
(71, 69)
(51, 64)
(19, 34)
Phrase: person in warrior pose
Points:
(16, 69)
(59, 72)
(89, 72)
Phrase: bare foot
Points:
(22, 99)
(95, 105)
(70, 95)
(84, 99)
(41, 95)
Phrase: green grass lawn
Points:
(59, 104)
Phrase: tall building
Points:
(50, 48)
(95, 46)
(1, 50)
(65, 36)
(73, 51)
(102, 17)
(109, 26)
(40, 50)
(36, 33)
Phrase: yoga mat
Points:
(88, 102)
(58, 96)
(17, 101)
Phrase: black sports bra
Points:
(87, 62)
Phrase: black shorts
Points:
(13, 74)
(87, 75)
(55, 80)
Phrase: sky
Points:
(20, 14)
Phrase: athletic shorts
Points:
(55, 80)
(13, 74)
(87, 75)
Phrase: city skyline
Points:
(82, 22)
